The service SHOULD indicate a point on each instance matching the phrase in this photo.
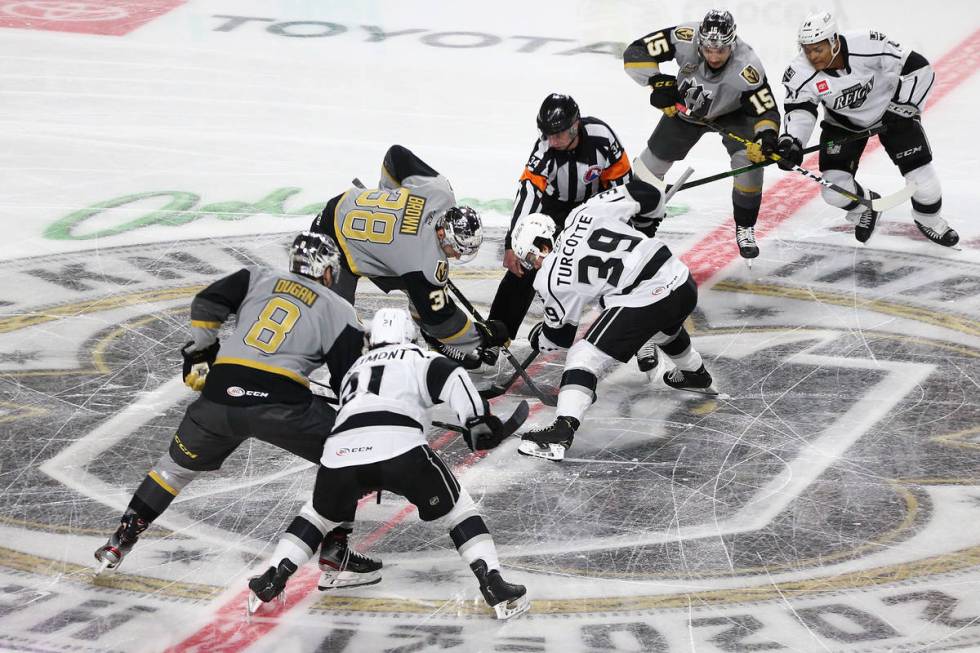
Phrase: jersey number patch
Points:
(762, 101)
(656, 44)
(610, 269)
(378, 225)
(373, 386)
(275, 322)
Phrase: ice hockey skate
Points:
(747, 247)
(938, 232)
(698, 381)
(507, 599)
(648, 358)
(342, 566)
(550, 442)
(867, 219)
(270, 585)
(111, 554)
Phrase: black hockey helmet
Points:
(557, 113)
(717, 30)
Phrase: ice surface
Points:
(829, 503)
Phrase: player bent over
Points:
(645, 293)
(289, 324)
(402, 235)
(379, 443)
(864, 81)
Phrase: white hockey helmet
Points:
(392, 326)
(311, 254)
(464, 231)
(530, 233)
(819, 27)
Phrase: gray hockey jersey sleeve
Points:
(643, 56)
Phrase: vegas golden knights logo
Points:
(684, 34)
(442, 271)
(751, 75)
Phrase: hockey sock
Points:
(681, 352)
(577, 393)
(469, 532)
(159, 488)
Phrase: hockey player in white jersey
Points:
(720, 79)
(863, 80)
(644, 291)
(288, 324)
(379, 443)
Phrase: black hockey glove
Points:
(493, 333)
(765, 143)
(484, 431)
(664, 94)
(197, 364)
(790, 152)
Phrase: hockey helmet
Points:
(530, 234)
(392, 326)
(557, 114)
(464, 231)
(312, 254)
(717, 30)
(819, 27)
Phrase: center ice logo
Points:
(106, 17)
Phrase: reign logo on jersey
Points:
(853, 97)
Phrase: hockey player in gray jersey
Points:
(721, 79)
(402, 235)
(379, 443)
(288, 324)
(863, 80)
(644, 292)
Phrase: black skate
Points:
(270, 585)
(867, 221)
(506, 599)
(551, 441)
(470, 361)
(111, 554)
(947, 237)
(648, 357)
(697, 381)
(342, 566)
(745, 239)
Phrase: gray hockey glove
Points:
(198, 363)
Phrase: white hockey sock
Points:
(689, 361)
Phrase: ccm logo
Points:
(344, 451)
(902, 155)
(235, 391)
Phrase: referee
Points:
(574, 158)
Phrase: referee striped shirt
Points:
(571, 177)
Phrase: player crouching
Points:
(645, 292)
(379, 443)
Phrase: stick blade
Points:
(893, 200)
(517, 418)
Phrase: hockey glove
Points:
(484, 432)
(765, 143)
(493, 333)
(198, 363)
(664, 94)
(540, 342)
(790, 152)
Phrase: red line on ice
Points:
(227, 631)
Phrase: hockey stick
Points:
(547, 400)
(876, 204)
(868, 133)
(510, 425)
(498, 389)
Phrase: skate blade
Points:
(253, 603)
(552, 451)
(332, 580)
(514, 608)
(105, 567)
